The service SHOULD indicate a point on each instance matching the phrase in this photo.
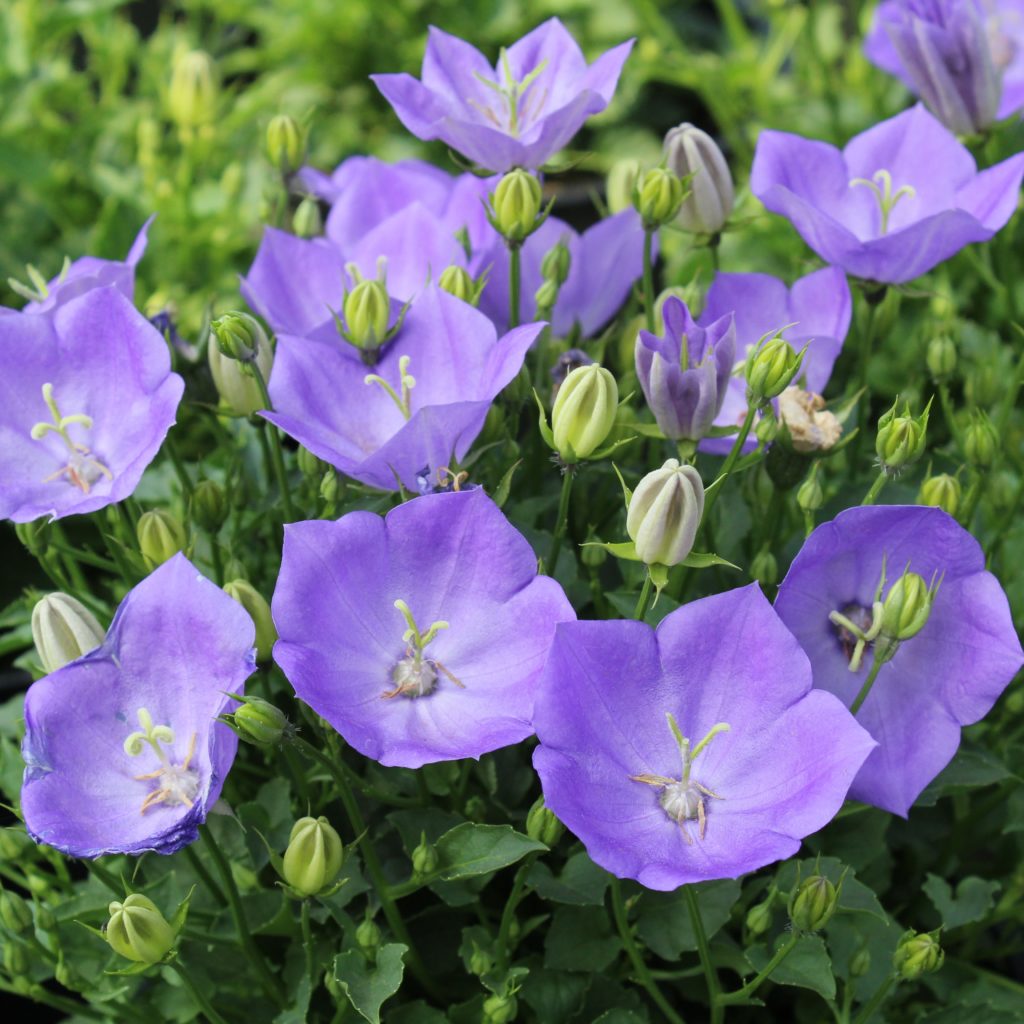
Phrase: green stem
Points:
(866, 688)
(710, 974)
(307, 942)
(1010, 398)
(217, 560)
(38, 994)
(966, 513)
(513, 284)
(508, 915)
(644, 599)
(732, 457)
(643, 972)
(649, 280)
(179, 467)
(561, 522)
(87, 557)
(204, 876)
(946, 404)
(867, 344)
(741, 994)
(200, 1000)
(876, 488)
(267, 980)
(875, 1001)
(276, 452)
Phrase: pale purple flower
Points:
(86, 398)
(419, 636)
(518, 113)
(381, 435)
(963, 58)
(947, 676)
(685, 374)
(815, 313)
(896, 201)
(770, 759)
(122, 749)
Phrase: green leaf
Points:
(296, 1013)
(554, 995)
(664, 921)
(367, 985)
(972, 901)
(970, 767)
(470, 849)
(580, 939)
(807, 966)
(581, 882)
(416, 1013)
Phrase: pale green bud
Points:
(238, 388)
(314, 856)
(309, 465)
(138, 931)
(692, 153)
(901, 438)
(516, 204)
(368, 937)
(941, 357)
(860, 962)
(15, 913)
(500, 1009)
(556, 264)
(917, 953)
(424, 858)
(759, 918)
(457, 281)
(63, 630)
(584, 412)
(160, 536)
(194, 89)
(16, 962)
(906, 607)
(981, 442)
(209, 505)
(810, 496)
(480, 962)
(286, 144)
(941, 491)
(260, 722)
(658, 197)
(765, 568)
(307, 221)
(542, 825)
(813, 903)
(546, 296)
(330, 486)
(259, 611)
(770, 369)
(367, 313)
(985, 384)
(665, 512)
(621, 183)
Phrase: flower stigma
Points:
(37, 290)
(408, 383)
(881, 185)
(83, 469)
(684, 799)
(178, 784)
(414, 675)
(512, 93)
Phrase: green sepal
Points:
(276, 860)
(627, 494)
(139, 968)
(722, 431)
(177, 921)
(705, 560)
(603, 453)
(545, 430)
(659, 577)
(643, 429)
(501, 492)
(625, 550)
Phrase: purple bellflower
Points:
(963, 58)
(516, 114)
(896, 201)
(420, 636)
(421, 405)
(694, 751)
(685, 374)
(815, 313)
(86, 398)
(946, 676)
(122, 749)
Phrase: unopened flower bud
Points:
(14, 842)
(941, 491)
(15, 913)
(309, 465)
(500, 1009)
(456, 281)
(545, 297)
(424, 858)
(330, 486)
(314, 856)
(239, 336)
(981, 442)
(658, 196)
(209, 505)
(542, 825)
(810, 496)
(160, 536)
(516, 204)
(138, 931)
(368, 937)
(941, 357)
(664, 513)
(621, 183)
(765, 568)
(556, 264)
(584, 412)
(307, 221)
(16, 961)
(906, 607)
(259, 611)
(286, 144)
(860, 962)
(759, 918)
(367, 313)
(480, 962)
(63, 630)
(192, 97)
(46, 919)
(813, 903)
(901, 438)
(770, 369)
(236, 386)
(917, 953)
(766, 429)
(985, 384)
(260, 722)
(692, 153)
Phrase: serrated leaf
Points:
(664, 921)
(581, 882)
(470, 849)
(973, 899)
(580, 939)
(368, 986)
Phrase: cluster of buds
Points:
(901, 438)
(242, 351)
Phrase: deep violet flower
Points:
(815, 313)
(897, 200)
(685, 374)
(964, 58)
(122, 749)
(948, 675)
(516, 114)
(419, 636)
(771, 758)
(86, 398)
(421, 405)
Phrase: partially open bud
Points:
(367, 309)
(259, 611)
(584, 412)
(690, 152)
(664, 513)
(138, 931)
(236, 386)
(160, 536)
(307, 221)
(901, 438)
(314, 856)
(941, 357)
(192, 97)
(515, 205)
(621, 183)
(209, 505)
(424, 858)
(813, 903)
(286, 144)
(542, 825)
(770, 369)
(63, 630)
(917, 953)
(658, 196)
(906, 607)
(260, 722)
(941, 491)
(981, 442)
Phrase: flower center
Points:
(881, 185)
(408, 382)
(684, 799)
(415, 675)
(519, 108)
(82, 469)
(176, 784)
(37, 290)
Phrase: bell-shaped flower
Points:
(685, 374)
(896, 201)
(836, 601)
(518, 113)
(421, 405)
(123, 750)
(86, 398)
(694, 751)
(419, 636)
